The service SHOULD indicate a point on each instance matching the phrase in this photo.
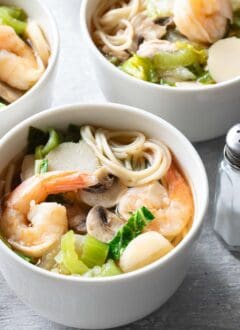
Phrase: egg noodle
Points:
(129, 155)
(112, 23)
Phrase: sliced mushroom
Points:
(145, 27)
(77, 215)
(105, 193)
(9, 94)
(103, 224)
(152, 47)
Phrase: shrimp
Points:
(18, 66)
(11, 42)
(31, 225)
(203, 21)
(172, 207)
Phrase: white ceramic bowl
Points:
(106, 302)
(201, 114)
(39, 97)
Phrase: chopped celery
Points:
(108, 269)
(13, 17)
(41, 166)
(160, 8)
(94, 252)
(53, 141)
(2, 105)
(70, 258)
(36, 137)
(129, 231)
(186, 55)
(165, 82)
(206, 79)
(141, 68)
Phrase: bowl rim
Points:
(147, 84)
(190, 237)
(51, 65)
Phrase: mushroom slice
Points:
(9, 94)
(103, 224)
(77, 215)
(152, 47)
(105, 193)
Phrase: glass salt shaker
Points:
(227, 197)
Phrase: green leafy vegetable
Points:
(141, 68)
(2, 105)
(72, 134)
(108, 269)
(186, 55)
(53, 141)
(41, 166)
(69, 256)
(129, 231)
(14, 17)
(206, 79)
(35, 138)
(94, 252)
(165, 82)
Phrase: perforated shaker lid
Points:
(232, 149)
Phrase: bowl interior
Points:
(37, 11)
(117, 117)
(87, 10)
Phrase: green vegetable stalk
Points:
(41, 166)
(53, 141)
(140, 68)
(129, 231)
(108, 269)
(206, 79)
(186, 55)
(69, 256)
(94, 252)
(2, 105)
(14, 17)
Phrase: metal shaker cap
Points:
(232, 148)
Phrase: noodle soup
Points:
(179, 43)
(94, 202)
(24, 54)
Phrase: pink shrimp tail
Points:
(69, 181)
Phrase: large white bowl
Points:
(106, 302)
(39, 97)
(201, 114)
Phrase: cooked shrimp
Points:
(31, 226)
(11, 42)
(172, 207)
(202, 20)
(18, 66)
(18, 72)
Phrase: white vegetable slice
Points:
(223, 60)
(143, 250)
(28, 167)
(71, 156)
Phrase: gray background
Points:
(209, 298)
